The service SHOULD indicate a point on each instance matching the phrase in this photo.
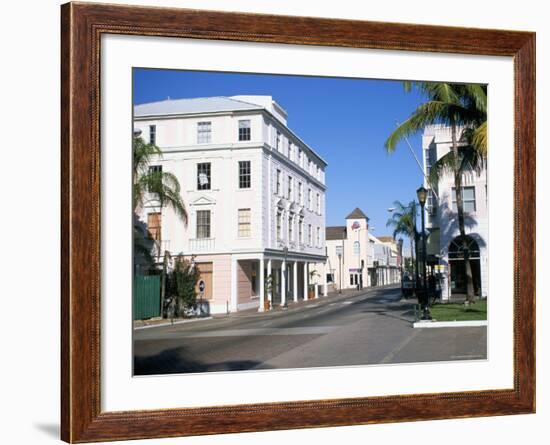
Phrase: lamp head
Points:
(422, 194)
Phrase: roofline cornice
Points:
(262, 110)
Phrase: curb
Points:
(449, 324)
(136, 328)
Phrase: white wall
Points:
(30, 344)
(177, 138)
(476, 223)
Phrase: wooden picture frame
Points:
(82, 26)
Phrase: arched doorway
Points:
(457, 266)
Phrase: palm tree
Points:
(463, 107)
(164, 186)
(403, 222)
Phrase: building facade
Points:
(254, 194)
(387, 260)
(444, 246)
(356, 258)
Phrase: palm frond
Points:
(479, 139)
(142, 155)
(431, 112)
(469, 159)
(164, 186)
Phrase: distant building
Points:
(444, 248)
(387, 261)
(356, 258)
(254, 192)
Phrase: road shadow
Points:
(407, 316)
(175, 361)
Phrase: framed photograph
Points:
(274, 222)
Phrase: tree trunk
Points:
(416, 271)
(412, 252)
(163, 283)
(460, 214)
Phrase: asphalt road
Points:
(373, 327)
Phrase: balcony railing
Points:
(202, 244)
(159, 247)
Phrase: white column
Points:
(316, 287)
(262, 286)
(257, 283)
(305, 281)
(270, 288)
(325, 284)
(234, 282)
(295, 281)
(283, 283)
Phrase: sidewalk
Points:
(152, 322)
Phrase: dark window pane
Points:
(203, 176)
(244, 174)
(244, 130)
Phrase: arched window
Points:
(456, 248)
(356, 248)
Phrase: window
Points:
(356, 248)
(203, 223)
(203, 176)
(290, 188)
(310, 199)
(153, 225)
(301, 193)
(154, 169)
(468, 199)
(244, 174)
(318, 204)
(278, 189)
(309, 235)
(301, 230)
(279, 225)
(278, 142)
(318, 237)
(153, 134)
(291, 228)
(244, 223)
(428, 159)
(290, 151)
(300, 157)
(244, 130)
(204, 132)
(431, 203)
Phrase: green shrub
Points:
(180, 283)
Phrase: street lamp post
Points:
(339, 251)
(422, 194)
(342, 257)
(285, 251)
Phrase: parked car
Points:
(407, 286)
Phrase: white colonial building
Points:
(444, 247)
(254, 193)
(356, 258)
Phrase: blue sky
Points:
(345, 120)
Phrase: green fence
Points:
(146, 296)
